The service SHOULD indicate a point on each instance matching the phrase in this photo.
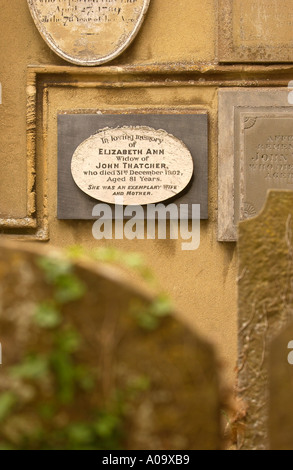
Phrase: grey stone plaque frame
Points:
(75, 127)
(236, 107)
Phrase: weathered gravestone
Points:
(281, 391)
(153, 383)
(265, 306)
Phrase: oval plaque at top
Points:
(139, 164)
(88, 32)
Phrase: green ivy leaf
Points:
(7, 402)
(33, 367)
(161, 307)
(149, 317)
(47, 315)
(75, 251)
(64, 370)
(106, 254)
(54, 268)
(80, 433)
(147, 321)
(68, 341)
(59, 273)
(69, 289)
(107, 425)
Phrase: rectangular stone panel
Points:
(255, 152)
(256, 31)
(266, 159)
(73, 129)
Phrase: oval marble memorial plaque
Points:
(139, 164)
(88, 32)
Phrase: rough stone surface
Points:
(281, 391)
(87, 32)
(265, 306)
(256, 31)
(180, 409)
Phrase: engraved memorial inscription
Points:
(255, 152)
(266, 159)
(144, 158)
(140, 164)
(88, 32)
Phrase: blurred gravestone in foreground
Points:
(82, 369)
(281, 391)
(265, 306)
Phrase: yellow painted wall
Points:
(202, 283)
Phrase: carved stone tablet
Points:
(256, 31)
(266, 159)
(145, 158)
(255, 152)
(88, 32)
(139, 164)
